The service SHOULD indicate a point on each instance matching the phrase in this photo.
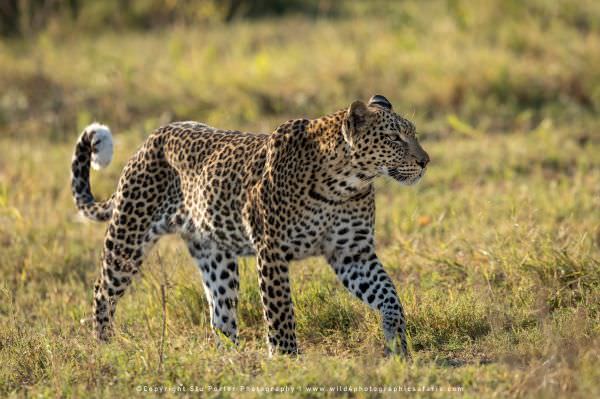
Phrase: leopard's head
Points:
(382, 142)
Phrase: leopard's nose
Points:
(423, 161)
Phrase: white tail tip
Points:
(102, 145)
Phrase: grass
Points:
(495, 254)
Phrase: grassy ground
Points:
(495, 254)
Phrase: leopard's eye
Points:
(395, 139)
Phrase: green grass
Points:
(495, 254)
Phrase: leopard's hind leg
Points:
(142, 214)
(220, 278)
(124, 251)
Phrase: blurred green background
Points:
(495, 253)
(470, 67)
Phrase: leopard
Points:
(304, 190)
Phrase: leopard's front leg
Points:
(273, 276)
(350, 250)
(361, 272)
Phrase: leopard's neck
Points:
(337, 176)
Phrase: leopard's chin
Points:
(406, 179)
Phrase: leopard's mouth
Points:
(405, 178)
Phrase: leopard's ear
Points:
(356, 117)
(380, 101)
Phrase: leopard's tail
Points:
(94, 147)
